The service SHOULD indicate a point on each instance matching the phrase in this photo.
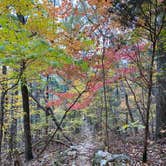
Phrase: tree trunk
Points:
(105, 98)
(146, 131)
(128, 108)
(161, 95)
(47, 108)
(26, 118)
(2, 107)
(13, 127)
(130, 113)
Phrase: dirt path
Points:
(86, 148)
(80, 154)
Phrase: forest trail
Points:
(80, 154)
(86, 148)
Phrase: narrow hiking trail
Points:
(80, 154)
(86, 148)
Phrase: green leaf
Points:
(84, 66)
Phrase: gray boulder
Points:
(102, 158)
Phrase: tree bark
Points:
(146, 131)
(26, 117)
(2, 107)
(161, 94)
(105, 98)
(13, 127)
(130, 113)
(47, 108)
(129, 109)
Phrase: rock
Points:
(72, 153)
(66, 156)
(102, 158)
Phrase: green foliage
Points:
(132, 125)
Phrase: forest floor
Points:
(84, 149)
(86, 144)
(133, 147)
